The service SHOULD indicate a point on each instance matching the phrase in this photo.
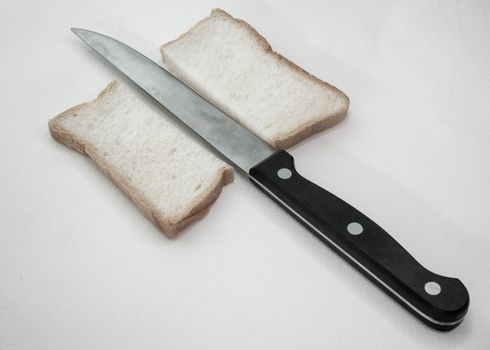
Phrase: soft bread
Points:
(233, 66)
(167, 174)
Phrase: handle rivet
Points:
(284, 173)
(432, 288)
(355, 228)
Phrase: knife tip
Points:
(79, 31)
(75, 30)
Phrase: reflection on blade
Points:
(228, 137)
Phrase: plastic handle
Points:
(440, 302)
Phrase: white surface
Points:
(81, 268)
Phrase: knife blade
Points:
(440, 302)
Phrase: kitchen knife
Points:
(440, 302)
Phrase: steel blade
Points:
(224, 134)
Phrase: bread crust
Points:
(197, 209)
(302, 131)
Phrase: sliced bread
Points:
(229, 63)
(170, 177)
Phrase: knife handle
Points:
(440, 302)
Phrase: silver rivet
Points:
(355, 228)
(432, 288)
(284, 173)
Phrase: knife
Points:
(440, 302)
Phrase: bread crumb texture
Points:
(170, 177)
(233, 66)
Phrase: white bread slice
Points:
(169, 176)
(234, 67)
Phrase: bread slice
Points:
(170, 177)
(234, 67)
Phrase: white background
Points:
(81, 268)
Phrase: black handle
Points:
(440, 302)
